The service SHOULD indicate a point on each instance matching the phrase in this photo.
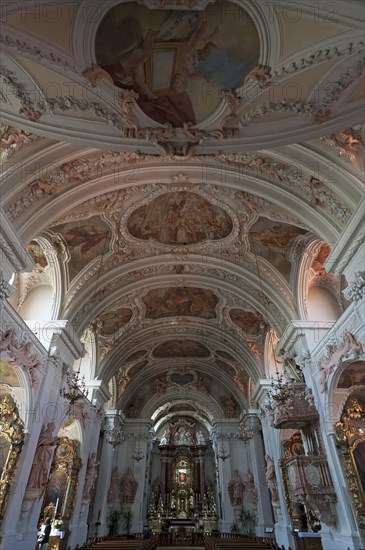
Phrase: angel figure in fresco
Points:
(87, 236)
(190, 56)
(129, 69)
(276, 236)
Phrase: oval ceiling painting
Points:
(180, 218)
(180, 301)
(178, 61)
(181, 348)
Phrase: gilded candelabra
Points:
(75, 388)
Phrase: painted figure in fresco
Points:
(131, 70)
(87, 236)
(190, 56)
(39, 472)
(235, 489)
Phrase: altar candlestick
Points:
(56, 508)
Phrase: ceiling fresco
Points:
(181, 348)
(251, 323)
(37, 253)
(180, 301)
(86, 240)
(176, 185)
(273, 241)
(179, 218)
(110, 322)
(177, 61)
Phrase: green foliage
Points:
(127, 521)
(248, 521)
(113, 521)
(234, 528)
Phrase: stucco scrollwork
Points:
(356, 288)
(347, 347)
(20, 354)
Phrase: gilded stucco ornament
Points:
(12, 431)
(349, 434)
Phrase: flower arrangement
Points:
(57, 524)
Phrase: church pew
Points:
(232, 543)
(121, 543)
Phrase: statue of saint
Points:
(235, 489)
(200, 439)
(90, 476)
(128, 488)
(113, 487)
(39, 473)
(165, 439)
(271, 479)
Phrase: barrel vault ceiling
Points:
(171, 165)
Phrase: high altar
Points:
(182, 498)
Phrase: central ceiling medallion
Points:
(181, 348)
(178, 61)
(179, 218)
(180, 301)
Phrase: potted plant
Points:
(234, 528)
(113, 521)
(127, 522)
(247, 520)
(57, 523)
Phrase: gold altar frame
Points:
(12, 430)
(349, 437)
(63, 479)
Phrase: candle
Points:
(56, 508)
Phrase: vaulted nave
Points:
(182, 280)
